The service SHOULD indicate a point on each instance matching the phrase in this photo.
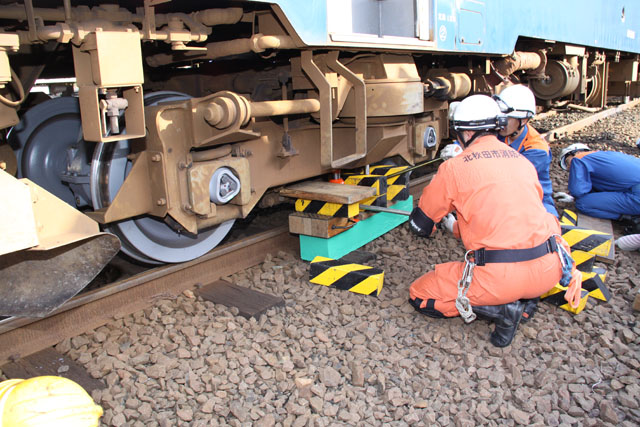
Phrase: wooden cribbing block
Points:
(587, 240)
(355, 237)
(604, 226)
(595, 283)
(584, 260)
(556, 294)
(569, 218)
(329, 192)
(379, 183)
(250, 303)
(398, 185)
(339, 274)
(318, 225)
(51, 362)
(327, 208)
(359, 257)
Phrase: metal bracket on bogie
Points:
(326, 109)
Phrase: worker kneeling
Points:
(511, 240)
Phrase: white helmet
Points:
(478, 112)
(517, 102)
(571, 150)
(452, 109)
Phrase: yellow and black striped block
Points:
(327, 208)
(592, 241)
(594, 283)
(569, 218)
(343, 275)
(397, 186)
(376, 181)
(555, 296)
(584, 260)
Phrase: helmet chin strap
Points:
(521, 125)
(465, 144)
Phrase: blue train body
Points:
(473, 26)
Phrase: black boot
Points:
(530, 308)
(631, 224)
(506, 317)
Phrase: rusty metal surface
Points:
(8, 161)
(324, 90)
(34, 283)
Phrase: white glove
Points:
(563, 197)
(450, 151)
(630, 242)
(448, 221)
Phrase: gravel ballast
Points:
(331, 357)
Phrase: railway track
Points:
(21, 336)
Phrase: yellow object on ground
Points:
(594, 282)
(344, 275)
(569, 218)
(591, 241)
(556, 297)
(46, 401)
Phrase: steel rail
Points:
(141, 278)
(21, 337)
(563, 131)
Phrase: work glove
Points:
(629, 243)
(450, 151)
(448, 221)
(420, 223)
(563, 197)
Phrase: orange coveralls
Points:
(498, 200)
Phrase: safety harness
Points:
(483, 256)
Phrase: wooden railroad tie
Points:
(51, 362)
(250, 303)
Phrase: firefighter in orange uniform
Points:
(519, 105)
(510, 237)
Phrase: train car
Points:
(183, 116)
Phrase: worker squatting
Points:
(504, 214)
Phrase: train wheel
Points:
(50, 150)
(146, 239)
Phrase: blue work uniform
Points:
(533, 146)
(606, 184)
